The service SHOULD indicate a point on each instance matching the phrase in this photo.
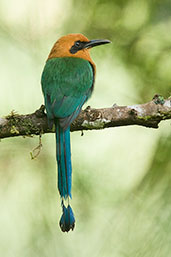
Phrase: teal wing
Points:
(66, 83)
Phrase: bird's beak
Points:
(96, 42)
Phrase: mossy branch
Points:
(149, 115)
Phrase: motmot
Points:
(67, 83)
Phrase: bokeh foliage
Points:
(121, 176)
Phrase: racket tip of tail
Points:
(67, 220)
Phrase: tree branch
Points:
(149, 115)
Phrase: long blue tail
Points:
(63, 156)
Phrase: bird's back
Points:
(67, 83)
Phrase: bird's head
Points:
(75, 45)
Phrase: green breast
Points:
(74, 76)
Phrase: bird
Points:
(67, 83)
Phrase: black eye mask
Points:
(78, 45)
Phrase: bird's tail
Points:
(63, 155)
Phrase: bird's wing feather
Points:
(67, 83)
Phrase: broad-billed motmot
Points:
(67, 83)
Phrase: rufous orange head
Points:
(75, 45)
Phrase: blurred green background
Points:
(121, 176)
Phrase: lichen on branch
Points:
(149, 115)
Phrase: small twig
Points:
(36, 151)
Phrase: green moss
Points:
(14, 130)
(160, 115)
(158, 99)
(145, 118)
(28, 127)
(19, 123)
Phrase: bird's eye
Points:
(77, 43)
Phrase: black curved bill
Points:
(96, 42)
